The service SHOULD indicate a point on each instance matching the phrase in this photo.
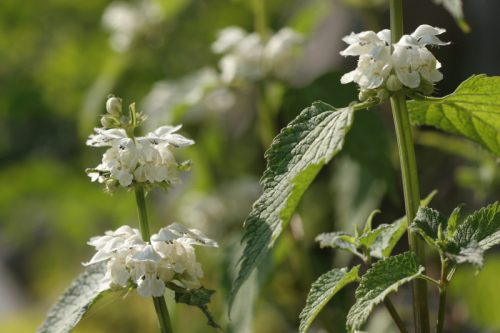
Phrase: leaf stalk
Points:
(159, 302)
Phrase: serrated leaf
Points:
(384, 243)
(199, 297)
(75, 301)
(337, 241)
(454, 7)
(471, 253)
(427, 224)
(482, 227)
(472, 111)
(185, 166)
(383, 278)
(295, 158)
(322, 291)
(367, 239)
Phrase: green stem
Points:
(425, 99)
(260, 18)
(431, 280)
(265, 119)
(442, 295)
(159, 302)
(410, 179)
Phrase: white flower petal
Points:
(147, 254)
(425, 29)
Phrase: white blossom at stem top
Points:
(164, 134)
(411, 60)
(106, 137)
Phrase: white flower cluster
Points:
(149, 158)
(247, 58)
(169, 256)
(411, 61)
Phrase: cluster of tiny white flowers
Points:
(411, 61)
(148, 158)
(168, 256)
(247, 58)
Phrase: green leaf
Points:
(322, 291)
(199, 297)
(295, 158)
(185, 166)
(453, 221)
(368, 225)
(338, 240)
(384, 243)
(75, 302)
(472, 111)
(427, 224)
(366, 240)
(454, 7)
(385, 277)
(482, 227)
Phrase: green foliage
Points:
(385, 277)
(338, 240)
(185, 166)
(295, 158)
(472, 111)
(455, 9)
(384, 243)
(75, 301)
(199, 297)
(323, 290)
(465, 242)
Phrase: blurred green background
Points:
(59, 59)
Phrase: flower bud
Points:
(111, 185)
(114, 106)
(393, 83)
(383, 94)
(124, 120)
(441, 236)
(364, 95)
(106, 122)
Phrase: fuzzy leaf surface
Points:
(384, 243)
(75, 301)
(384, 277)
(334, 240)
(367, 239)
(294, 159)
(323, 290)
(473, 111)
(199, 297)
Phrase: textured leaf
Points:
(368, 225)
(427, 224)
(295, 158)
(455, 9)
(384, 243)
(482, 227)
(75, 302)
(199, 297)
(366, 240)
(453, 221)
(385, 277)
(323, 290)
(472, 111)
(335, 240)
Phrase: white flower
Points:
(125, 164)
(227, 39)
(281, 54)
(164, 134)
(106, 137)
(411, 60)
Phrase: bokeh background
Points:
(59, 59)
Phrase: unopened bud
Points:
(106, 122)
(441, 236)
(111, 185)
(124, 120)
(393, 83)
(114, 106)
(383, 94)
(364, 95)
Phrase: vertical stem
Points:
(265, 118)
(410, 178)
(442, 295)
(160, 304)
(260, 18)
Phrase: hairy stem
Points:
(410, 178)
(442, 295)
(160, 304)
